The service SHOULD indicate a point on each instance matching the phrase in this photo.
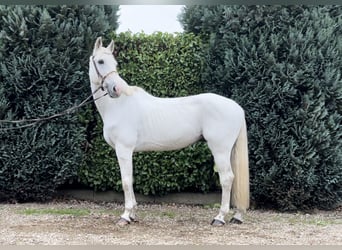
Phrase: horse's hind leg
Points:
(222, 162)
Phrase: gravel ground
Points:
(163, 224)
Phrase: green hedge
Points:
(165, 65)
(283, 65)
(44, 70)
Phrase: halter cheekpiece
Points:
(99, 74)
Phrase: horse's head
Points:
(102, 69)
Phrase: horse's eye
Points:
(101, 61)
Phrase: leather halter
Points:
(99, 74)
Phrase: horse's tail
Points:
(239, 162)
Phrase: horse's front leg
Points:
(124, 155)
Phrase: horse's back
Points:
(221, 104)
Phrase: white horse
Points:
(135, 121)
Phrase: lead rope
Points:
(35, 121)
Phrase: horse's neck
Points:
(101, 101)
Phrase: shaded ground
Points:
(74, 222)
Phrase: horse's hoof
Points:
(217, 223)
(235, 221)
(123, 222)
(133, 220)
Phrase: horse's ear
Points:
(98, 43)
(111, 46)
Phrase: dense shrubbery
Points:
(283, 65)
(164, 65)
(44, 60)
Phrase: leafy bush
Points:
(167, 66)
(44, 60)
(282, 64)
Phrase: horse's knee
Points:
(127, 183)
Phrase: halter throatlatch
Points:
(103, 78)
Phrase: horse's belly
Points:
(168, 139)
(162, 146)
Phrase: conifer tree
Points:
(44, 55)
(283, 65)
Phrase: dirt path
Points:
(87, 223)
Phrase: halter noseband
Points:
(99, 74)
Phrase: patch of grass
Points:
(168, 214)
(113, 212)
(311, 221)
(211, 206)
(318, 222)
(55, 211)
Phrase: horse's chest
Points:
(120, 127)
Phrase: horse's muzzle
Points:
(112, 91)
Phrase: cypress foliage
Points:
(44, 70)
(283, 65)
